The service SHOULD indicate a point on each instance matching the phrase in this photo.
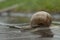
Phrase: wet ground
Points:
(15, 34)
(7, 33)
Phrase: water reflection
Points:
(15, 34)
(7, 33)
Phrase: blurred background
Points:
(20, 12)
